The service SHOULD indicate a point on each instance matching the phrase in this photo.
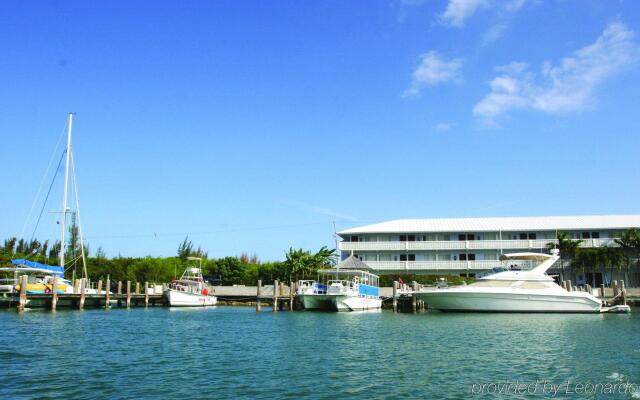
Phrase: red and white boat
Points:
(190, 290)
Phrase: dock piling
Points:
(54, 293)
(119, 287)
(615, 288)
(258, 295)
(107, 293)
(83, 282)
(137, 287)
(602, 290)
(99, 289)
(414, 298)
(146, 294)
(22, 301)
(290, 296)
(128, 294)
(276, 287)
(395, 296)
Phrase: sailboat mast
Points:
(63, 220)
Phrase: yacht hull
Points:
(175, 298)
(467, 301)
(331, 302)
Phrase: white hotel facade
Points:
(467, 246)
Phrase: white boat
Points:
(514, 291)
(342, 288)
(190, 290)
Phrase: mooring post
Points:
(99, 289)
(22, 301)
(119, 287)
(107, 293)
(290, 296)
(623, 297)
(82, 293)
(615, 288)
(589, 289)
(276, 287)
(54, 293)
(621, 284)
(128, 294)
(395, 296)
(146, 294)
(414, 298)
(602, 290)
(137, 288)
(76, 286)
(258, 295)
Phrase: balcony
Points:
(465, 245)
(431, 266)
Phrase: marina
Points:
(231, 352)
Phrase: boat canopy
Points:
(54, 269)
(352, 262)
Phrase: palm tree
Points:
(629, 242)
(567, 247)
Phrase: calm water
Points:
(232, 352)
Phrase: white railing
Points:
(411, 266)
(465, 244)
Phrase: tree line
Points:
(240, 270)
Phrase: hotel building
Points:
(467, 246)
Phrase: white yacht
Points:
(343, 288)
(515, 291)
(190, 290)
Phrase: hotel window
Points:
(463, 257)
(461, 237)
(471, 257)
(532, 236)
(595, 235)
(411, 238)
(403, 238)
(471, 236)
(354, 238)
(407, 257)
(523, 236)
(586, 235)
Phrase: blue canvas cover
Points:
(57, 270)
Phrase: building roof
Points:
(505, 224)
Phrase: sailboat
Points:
(40, 276)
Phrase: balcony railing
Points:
(465, 245)
(417, 266)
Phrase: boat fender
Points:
(205, 292)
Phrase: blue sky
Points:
(251, 126)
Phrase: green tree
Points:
(629, 243)
(10, 245)
(567, 247)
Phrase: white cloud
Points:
(443, 126)
(566, 87)
(434, 69)
(458, 11)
